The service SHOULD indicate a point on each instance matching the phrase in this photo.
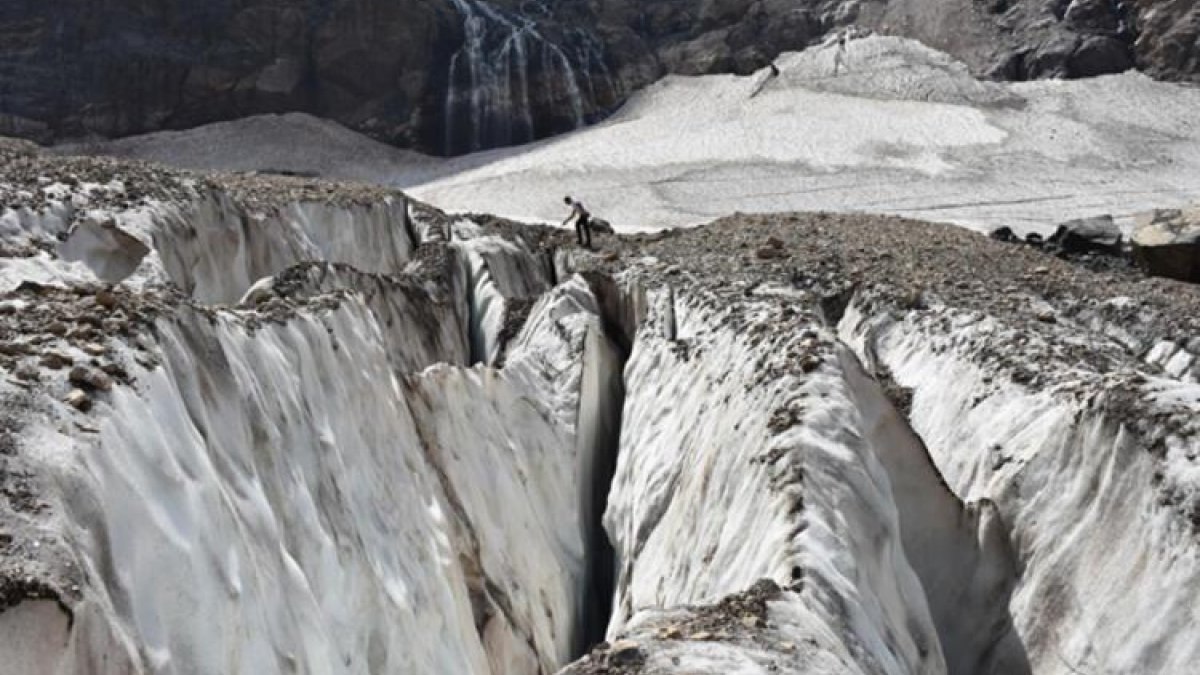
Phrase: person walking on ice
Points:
(583, 221)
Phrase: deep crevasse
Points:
(735, 467)
(295, 489)
(1076, 470)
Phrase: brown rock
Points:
(770, 253)
(79, 400)
(55, 360)
(27, 372)
(116, 371)
(94, 349)
(87, 377)
(625, 653)
(1166, 243)
(106, 298)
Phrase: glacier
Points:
(258, 423)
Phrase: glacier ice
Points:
(351, 433)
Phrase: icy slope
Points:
(903, 130)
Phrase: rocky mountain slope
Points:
(262, 424)
(451, 76)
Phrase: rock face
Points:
(433, 444)
(451, 76)
(1166, 243)
(1168, 34)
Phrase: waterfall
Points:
(509, 84)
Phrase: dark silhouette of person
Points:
(583, 221)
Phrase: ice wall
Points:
(1089, 466)
(216, 247)
(316, 481)
(737, 464)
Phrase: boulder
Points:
(1099, 55)
(1005, 234)
(1166, 243)
(90, 379)
(601, 225)
(79, 400)
(1098, 234)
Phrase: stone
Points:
(116, 371)
(770, 252)
(106, 298)
(625, 653)
(1004, 234)
(90, 378)
(55, 360)
(601, 226)
(1166, 243)
(1099, 55)
(93, 349)
(27, 372)
(1085, 235)
(79, 400)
